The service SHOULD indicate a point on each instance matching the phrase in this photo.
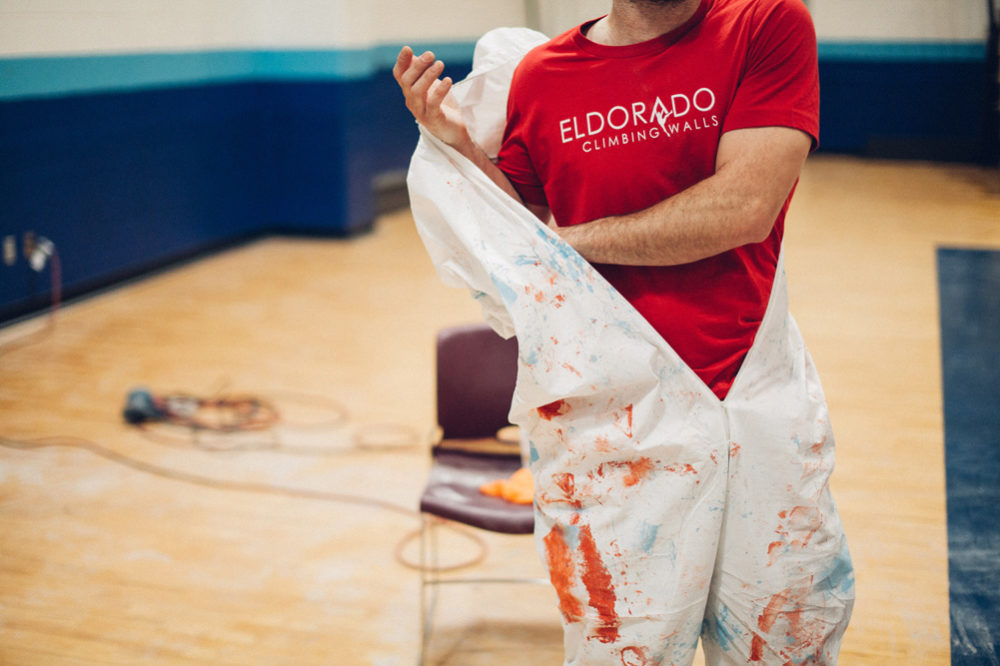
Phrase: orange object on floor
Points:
(519, 488)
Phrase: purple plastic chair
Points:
(476, 373)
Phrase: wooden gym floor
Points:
(124, 546)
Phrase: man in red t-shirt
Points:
(676, 131)
(663, 142)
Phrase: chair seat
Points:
(452, 492)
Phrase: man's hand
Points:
(428, 100)
(427, 96)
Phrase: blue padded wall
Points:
(127, 180)
(126, 171)
(124, 181)
(920, 108)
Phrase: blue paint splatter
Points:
(571, 534)
(719, 629)
(506, 292)
(567, 261)
(531, 358)
(648, 536)
(839, 578)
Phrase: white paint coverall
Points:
(663, 513)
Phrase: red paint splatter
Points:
(774, 607)
(638, 469)
(602, 444)
(801, 519)
(806, 635)
(757, 648)
(561, 571)
(774, 545)
(682, 469)
(567, 484)
(566, 481)
(734, 451)
(814, 526)
(634, 656)
(553, 409)
(626, 416)
(572, 369)
(597, 580)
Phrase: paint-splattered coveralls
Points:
(663, 513)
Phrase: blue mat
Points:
(969, 286)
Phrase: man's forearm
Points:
(471, 151)
(702, 221)
(738, 205)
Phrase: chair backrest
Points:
(476, 373)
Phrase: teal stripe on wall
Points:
(44, 76)
(904, 51)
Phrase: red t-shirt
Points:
(596, 130)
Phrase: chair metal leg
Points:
(423, 589)
(429, 577)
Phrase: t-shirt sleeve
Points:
(513, 158)
(780, 82)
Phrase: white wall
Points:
(557, 16)
(115, 26)
(49, 27)
(92, 26)
(441, 20)
(836, 20)
(900, 20)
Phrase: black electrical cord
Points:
(197, 479)
(220, 413)
(183, 420)
(252, 487)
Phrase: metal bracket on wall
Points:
(9, 250)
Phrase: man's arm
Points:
(756, 169)
(428, 101)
